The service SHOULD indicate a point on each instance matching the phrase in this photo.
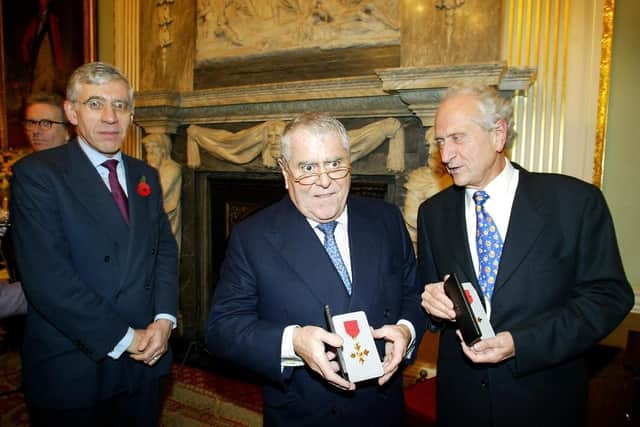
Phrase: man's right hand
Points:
(436, 302)
(309, 343)
(136, 346)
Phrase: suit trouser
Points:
(140, 408)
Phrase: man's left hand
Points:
(397, 339)
(155, 342)
(490, 350)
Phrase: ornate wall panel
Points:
(126, 47)
(245, 29)
(557, 119)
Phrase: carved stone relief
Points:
(449, 7)
(244, 28)
(264, 139)
(163, 9)
(236, 147)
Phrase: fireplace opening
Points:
(232, 199)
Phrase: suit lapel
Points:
(139, 211)
(85, 184)
(458, 240)
(525, 225)
(138, 205)
(365, 247)
(301, 249)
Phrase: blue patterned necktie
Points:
(332, 249)
(489, 245)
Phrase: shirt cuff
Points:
(122, 346)
(288, 356)
(173, 319)
(412, 343)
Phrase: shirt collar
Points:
(343, 219)
(95, 157)
(498, 188)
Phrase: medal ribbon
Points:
(352, 328)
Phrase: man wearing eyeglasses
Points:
(45, 127)
(98, 265)
(44, 121)
(267, 313)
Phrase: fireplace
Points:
(224, 199)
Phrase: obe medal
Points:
(352, 329)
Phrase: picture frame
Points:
(30, 47)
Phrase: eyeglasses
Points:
(312, 178)
(97, 105)
(42, 123)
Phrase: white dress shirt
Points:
(501, 191)
(97, 159)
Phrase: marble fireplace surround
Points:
(390, 92)
(409, 95)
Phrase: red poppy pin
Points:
(143, 188)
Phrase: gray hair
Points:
(96, 73)
(52, 99)
(491, 105)
(317, 124)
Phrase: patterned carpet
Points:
(13, 412)
(193, 397)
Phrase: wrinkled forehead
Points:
(459, 110)
(111, 91)
(314, 146)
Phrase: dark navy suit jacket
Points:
(277, 273)
(560, 289)
(88, 276)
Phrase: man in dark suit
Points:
(547, 270)
(277, 276)
(98, 265)
(45, 127)
(44, 121)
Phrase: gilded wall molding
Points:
(126, 48)
(606, 44)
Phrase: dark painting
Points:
(44, 41)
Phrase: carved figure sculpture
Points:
(423, 183)
(158, 155)
(264, 139)
(236, 147)
(367, 138)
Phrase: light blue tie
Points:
(489, 245)
(332, 249)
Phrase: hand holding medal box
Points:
(471, 318)
(360, 357)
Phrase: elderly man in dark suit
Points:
(540, 250)
(98, 264)
(267, 313)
